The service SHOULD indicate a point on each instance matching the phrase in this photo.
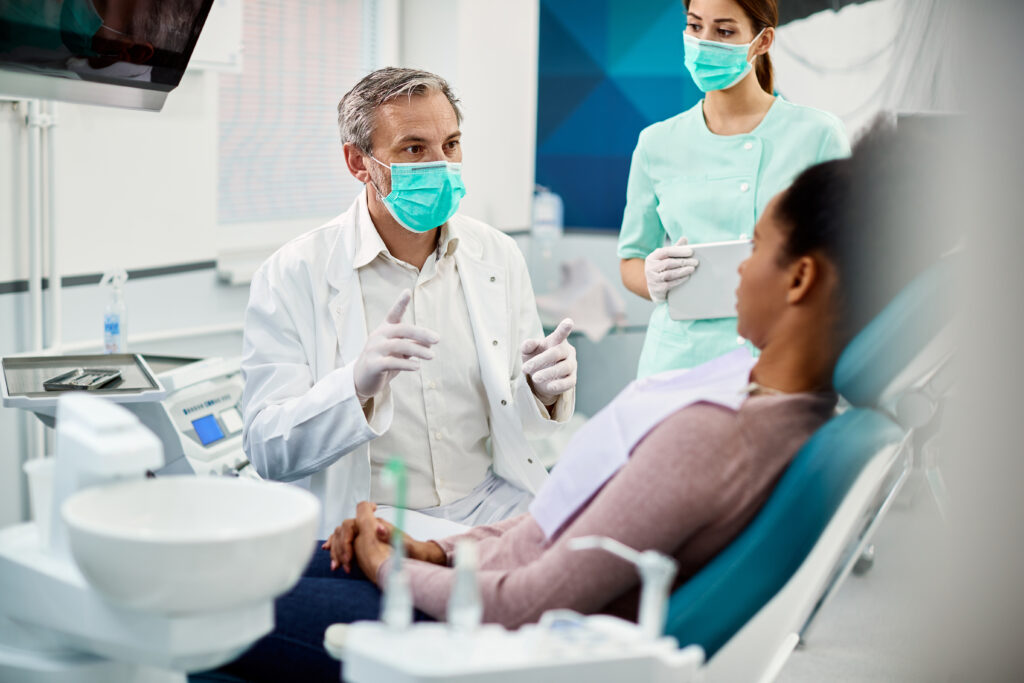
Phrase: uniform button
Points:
(743, 236)
(749, 145)
(493, 278)
(504, 402)
(744, 187)
(432, 385)
(740, 341)
(438, 435)
(529, 460)
(494, 342)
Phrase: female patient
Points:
(689, 485)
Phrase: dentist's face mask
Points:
(716, 66)
(423, 195)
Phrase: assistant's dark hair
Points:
(873, 215)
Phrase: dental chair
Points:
(749, 607)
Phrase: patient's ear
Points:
(804, 273)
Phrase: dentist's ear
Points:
(357, 161)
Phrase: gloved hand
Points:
(668, 267)
(391, 348)
(550, 363)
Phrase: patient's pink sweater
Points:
(689, 487)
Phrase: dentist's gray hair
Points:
(357, 109)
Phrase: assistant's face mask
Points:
(714, 65)
(423, 195)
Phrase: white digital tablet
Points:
(711, 290)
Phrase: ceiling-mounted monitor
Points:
(121, 53)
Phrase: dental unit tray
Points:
(82, 379)
(23, 380)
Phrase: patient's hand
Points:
(427, 551)
(344, 543)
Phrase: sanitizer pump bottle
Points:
(465, 609)
(115, 334)
(545, 240)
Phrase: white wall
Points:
(134, 189)
(487, 50)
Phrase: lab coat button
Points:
(493, 278)
(744, 187)
(432, 385)
(437, 435)
(529, 460)
(504, 402)
(494, 342)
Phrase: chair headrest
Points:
(903, 343)
(714, 604)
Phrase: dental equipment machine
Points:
(564, 645)
(139, 576)
(191, 404)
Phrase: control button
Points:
(232, 420)
(744, 187)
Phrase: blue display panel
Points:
(207, 429)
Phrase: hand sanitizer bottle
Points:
(115, 334)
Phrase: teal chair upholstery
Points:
(887, 356)
(884, 359)
(713, 605)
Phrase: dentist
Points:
(401, 328)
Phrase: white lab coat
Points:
(305, 327)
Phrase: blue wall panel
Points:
(607, 69)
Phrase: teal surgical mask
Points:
(714, 65)
(423, 195)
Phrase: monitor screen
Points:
(138, 44)
(207, 429)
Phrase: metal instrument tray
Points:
(22, 379)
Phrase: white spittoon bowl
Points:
(182, 545)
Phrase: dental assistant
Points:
(402, 328)
(707, 174)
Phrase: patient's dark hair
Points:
(873, 215)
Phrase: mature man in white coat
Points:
(401, 328)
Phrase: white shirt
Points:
(305, 329)
(440, 425)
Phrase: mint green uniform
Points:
(685, 180)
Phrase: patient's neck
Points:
(796, 363)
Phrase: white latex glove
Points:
(668, 267)
(550, 363)
(392, 348)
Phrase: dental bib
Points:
(603, 445)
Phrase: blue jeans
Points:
(294, 650)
